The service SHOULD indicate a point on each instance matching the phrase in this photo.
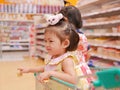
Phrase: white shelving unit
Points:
(103, 13)
(40, 49)
(102, 27)
(16, 45)
(15, 34)
(105, 24)
(15, 39)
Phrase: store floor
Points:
(8, 74)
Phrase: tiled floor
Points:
(8, 74)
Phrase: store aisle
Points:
(8, 74)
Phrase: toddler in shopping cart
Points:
(60, 40)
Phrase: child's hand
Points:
(24, 70)
(19, 73)
(43, 77)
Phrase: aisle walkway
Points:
(8, 75)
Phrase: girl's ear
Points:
(66, 19)
(66, 43)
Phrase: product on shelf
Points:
(31, 7)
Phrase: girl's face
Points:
(53, 44)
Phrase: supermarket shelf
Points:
(14, 49)
(102, 15)
(40, 37)
(40, 43)
(106, 13)
(102, 34)
(6, 20)
(40, 31)
(105, 45)
(15, 26)
(30, 9)
(41, 48)
(15, 13)
(15, 44)
(105, 57)
(105, 24)
(19, 40)
(93, 2)
(41, 26)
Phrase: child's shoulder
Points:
(66, 56)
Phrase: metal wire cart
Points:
(107, 79)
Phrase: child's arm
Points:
(31, 70)
(68, 74)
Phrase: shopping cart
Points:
(107, 79)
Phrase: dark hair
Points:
(64, 30)
(73, 15)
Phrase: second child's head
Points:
(61, 38)
(73, 15)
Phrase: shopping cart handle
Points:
(61, 81)
(97, 83)
(108, 78)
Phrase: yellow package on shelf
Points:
(72, 2)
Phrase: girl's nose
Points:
(47, 44)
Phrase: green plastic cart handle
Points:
(108, 78)
(61, 81)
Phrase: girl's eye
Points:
(48, 41)
(51, 41)
(45, 40)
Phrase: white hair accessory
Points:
(54, 19)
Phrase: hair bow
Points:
(54, 19)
